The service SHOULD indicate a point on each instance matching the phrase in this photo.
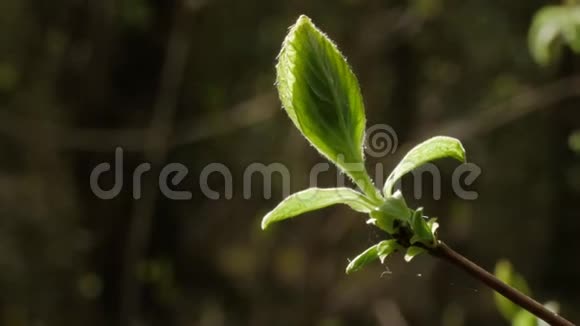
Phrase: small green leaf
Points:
(316, 198)
(321, 95)
(393, 208)
(382, 222)
(433, 226)
(412, 252)
(379, 251)
(422, 231)
(396, 206)
(363, 259)
(505, 272)
(429, 150)
(387, 247)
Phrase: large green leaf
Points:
(379, 251)
(321, 95)
(316, 198)
(429, 150)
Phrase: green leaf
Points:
(412, 252)
(422, 230)
(393, 208)
(316, 198)
(429, 150)
(321, 95)
(505, 272)
(379, 251)
(387, 247)
(363, 259)
(396, 207)
(433, 226)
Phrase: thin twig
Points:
(489, 118)
(157, 147)
(251, 111)
(443, 251)
(263, 106)
(521, 104)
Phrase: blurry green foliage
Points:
(510, 311)
(136, 13)
(505, 272)
(8, 77)
(553, 27)
(574, 141)
(426, 8)
(90, 285)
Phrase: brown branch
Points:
(444, 252)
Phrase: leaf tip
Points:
(463, 154)
(265, 223)
(349, 269)
(303, 19)
(412, 252)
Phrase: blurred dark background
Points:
(192, 82)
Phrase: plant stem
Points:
(443, 251)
